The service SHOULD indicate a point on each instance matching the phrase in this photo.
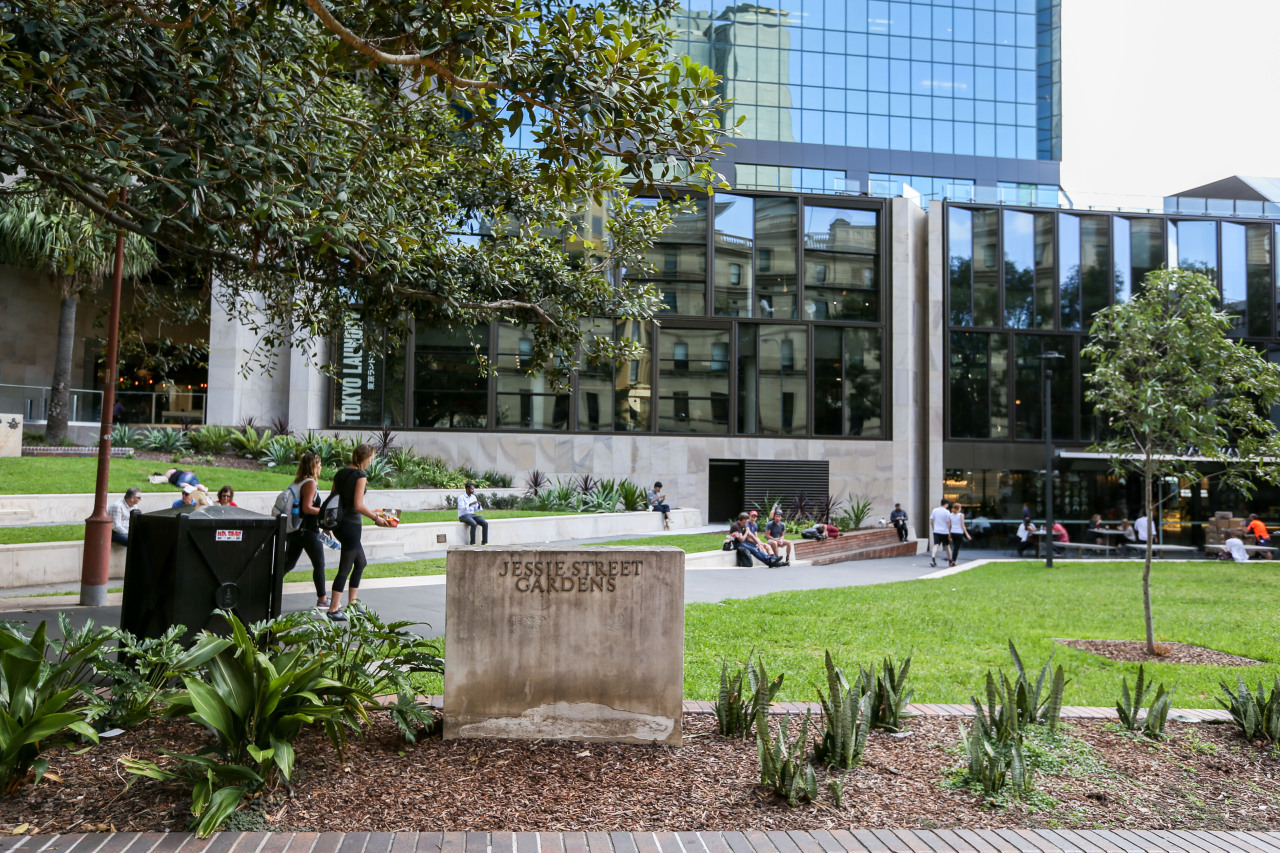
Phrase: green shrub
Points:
(1129, 708)
(859, 510)
(143, 670)
(632, 497)
(249, 441)
(783, 768)
(210, 439)
(380, 472)
(35, 698)
(1257, 715)
(1031, 708)
(164, 440)
(121, 436)
(282, 451)
(736, 709)
(889, 693)
(375, 657)
(993, 746)
(497, 479)
(846, 717)
(333, 452)
(258, 697)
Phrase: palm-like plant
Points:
(69, 245)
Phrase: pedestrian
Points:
(307, 535)
(117, 413)
(227, 496)
(959, 533)
(898, 518)
(469, 513)
(120, 513)
(349, 485)
(940, 523)
(658, 503)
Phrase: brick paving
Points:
(748, 841)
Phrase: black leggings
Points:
(309, 541)
(956, 540)
(352, 561)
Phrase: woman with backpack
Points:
(349, 485)
(304, 523)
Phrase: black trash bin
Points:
(184, 564)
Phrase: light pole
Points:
(1046, 364)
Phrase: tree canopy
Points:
(318, 157)
(1176, 397)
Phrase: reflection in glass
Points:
(986, 266)
(1246, 278)
(679, 261)
(979, 372)
(783, 392)
(776, 291)
(960, 253)
(693, 380)
(1122, 259)
(734, 256)
(841, 264)
(524, 401)
(1196, 244)
(1028, 386)
(1045, 282)
(1095, 267)
(633, 380)
(1235, 300)
(1019, 270)
(848, 395)
(1146, 250)
(1069, 271)
(449, 391)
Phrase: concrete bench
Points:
(1161, 549)
(1082, 547)
(1212, 550)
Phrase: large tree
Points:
(1178, 398)
(324, 156)
(58, 238)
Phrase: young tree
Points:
(1175, 395)
(60, 239)
(323, 156)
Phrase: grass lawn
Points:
(957, 627)
(41, 533)
(37, 475)
(411, 568)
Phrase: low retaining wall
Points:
(41, 563)
(871, 544)
(73, 509)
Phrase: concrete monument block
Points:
(10, 435)
(568, 643)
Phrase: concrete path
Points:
(421, 599)
(749, 841)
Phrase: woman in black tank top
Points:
(349, 484)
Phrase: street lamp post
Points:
(1046, 363)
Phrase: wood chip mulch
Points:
(1204, 777)
(1135, 651)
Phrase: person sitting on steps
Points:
(469, 513)
(658, 503)
(745, 540)
(775, 539)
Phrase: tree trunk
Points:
(1146, 569)
(60, 400)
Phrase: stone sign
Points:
(576, 644)
(10, 435)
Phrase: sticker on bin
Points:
(228, 535)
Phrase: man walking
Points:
(469, 513)
(940, 521)
(119, 513)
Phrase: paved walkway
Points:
(750, 841)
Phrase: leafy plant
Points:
(1257, 714)
(846, 717)
(497, 479)
(587, 484)
(889, 693)
(993, 745)
(801, 506)
(143, 670)
(255, 702)
(534, 482)
(384, 441)
(860, 507)
(1031, 708)
(164, 440)
(121, 436)
(493, 500)
(333, 451)
(209, 439)
(281, 427)
(250, 441)
(34, 696)
(765, 505)
(783, 768)
(375, 657)
(828, 508)
(632, 497)
(282, 450)
(835, 787)
(736, 709)
(379, 471)
(603, 497)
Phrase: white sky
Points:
(1164, 95)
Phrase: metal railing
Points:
(1084, 202)
(170, 405)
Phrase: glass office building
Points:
(837, 93)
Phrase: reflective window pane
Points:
(1019, 270)
(1146, 250)
(735, 261)
(848, 378)
(1069, 271)
(1196, 246)
(693, 380)
(679, 262)
(449, 391)
(1028, 390)
(986, 268)
(777, 291)
(841, 264)
(1095, 266)
(525, 401)
(960, 254)
(979, 382)
(633, 380)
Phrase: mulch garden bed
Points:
(164, 461)
(1135, 651)
(1204, 777)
